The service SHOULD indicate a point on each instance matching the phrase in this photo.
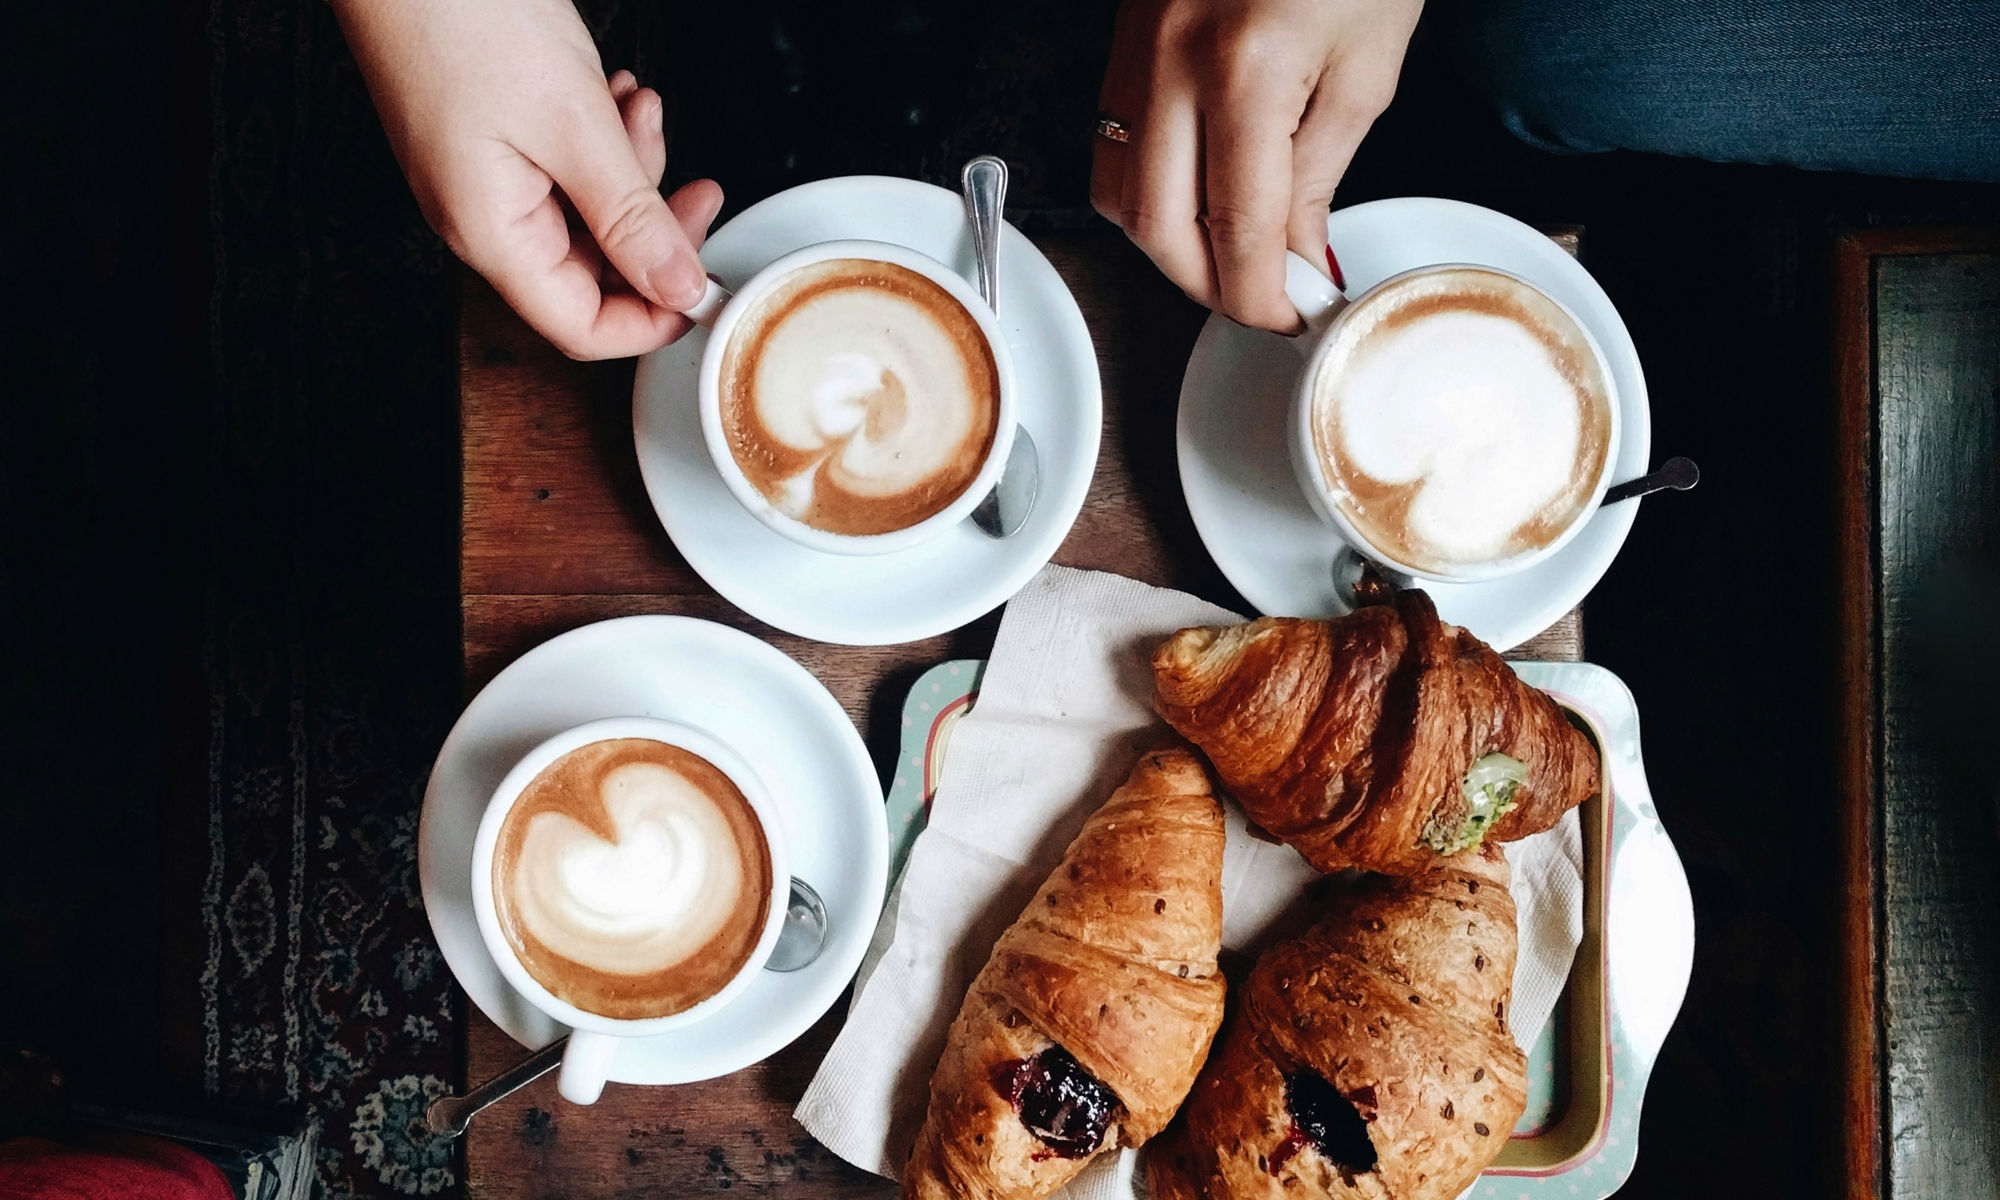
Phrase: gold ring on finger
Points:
(1113, 130)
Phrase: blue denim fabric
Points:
(1909, 89)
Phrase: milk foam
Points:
(1467, 414)
(859, 396)
(645, 902)
(872, 381)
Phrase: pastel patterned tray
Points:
(1588, 1069)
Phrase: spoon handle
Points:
(984, 182)
(449, 1115)
(1677, 473)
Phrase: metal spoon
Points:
(1006, 508)
(1361, 582)
(1677, 473)
(804, 934)
(448, 1116)
(799, 943)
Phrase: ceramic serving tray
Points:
(1588, 1068)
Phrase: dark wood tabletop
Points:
(557, 532)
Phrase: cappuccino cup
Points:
(856, 396)
(1453, 423)
(629, 877)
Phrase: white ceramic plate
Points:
(952, 578)
(740, 689)
(1236, 468)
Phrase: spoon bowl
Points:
(804, 934)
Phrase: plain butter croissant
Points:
(1382, 739)
(1368, 1058)
(1086, 1027)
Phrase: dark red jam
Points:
(1328, 1121)
(1293, 1143)
(1059, 1101)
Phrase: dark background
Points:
(229, 421)
(102, 466)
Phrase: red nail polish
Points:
(1333, 268)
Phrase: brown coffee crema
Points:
(1381, 509)
(909, 426)
(680, 962)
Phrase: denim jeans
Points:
(1874, 86)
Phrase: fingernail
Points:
(1333, 269)
(677, 281)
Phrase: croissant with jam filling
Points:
(1369, 1058)
(1385, 739)
(1088, 1023)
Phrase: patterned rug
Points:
(331, 642)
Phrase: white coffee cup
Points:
(594, 1039)
(719, 311)
(1325, 309)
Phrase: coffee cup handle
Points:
(586, 1064)
(705, 310)
(1314, 296)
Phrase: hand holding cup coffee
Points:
(629, 876)
(1453, 423)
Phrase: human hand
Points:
(1244, 115)
(539, 172)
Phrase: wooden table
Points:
(557, 532)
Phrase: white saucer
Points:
(1236, 468)
(952, 578)
(747, 694)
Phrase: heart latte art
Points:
(632, 878)
(859, 397)
(1460, 417)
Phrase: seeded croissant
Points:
(1383, 739)
(1368, 1058)
(1086, 1027)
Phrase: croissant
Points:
(1383, 739)
(1370, 1052)
(1086, 1026)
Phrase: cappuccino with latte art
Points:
(858, 396)
(1460, 420)
(632, 879)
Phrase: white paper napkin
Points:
(1064, 710)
